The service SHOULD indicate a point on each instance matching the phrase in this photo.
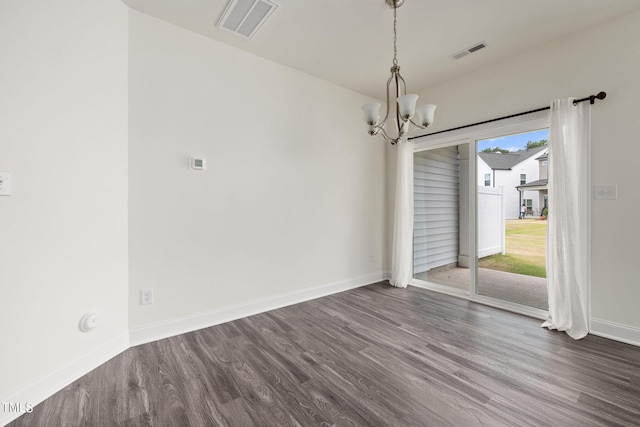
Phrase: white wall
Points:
(294, 194)
(606, 58)
(63, 232)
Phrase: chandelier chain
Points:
(395, 35)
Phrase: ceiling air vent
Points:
(476, 47)
(245, 17)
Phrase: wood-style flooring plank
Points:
(372, 356)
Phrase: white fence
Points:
(491, 221)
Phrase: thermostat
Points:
(198, 163)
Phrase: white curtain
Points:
(402, 251)
(568, 231)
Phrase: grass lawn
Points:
(526, 248)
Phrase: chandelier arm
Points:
(399, 120)
(385, 136)
(404, 85)
(386, 115)
(417, 125)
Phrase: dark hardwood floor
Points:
(373, 356)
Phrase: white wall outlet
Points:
(605, 192)
(5, 183)
(371, 258)
(146, 296)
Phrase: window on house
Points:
(523, 178)
(487, 180)
(528, 203)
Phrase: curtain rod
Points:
(591, 99)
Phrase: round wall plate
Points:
(88, 322)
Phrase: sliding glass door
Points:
(479, 209)
(512, 227)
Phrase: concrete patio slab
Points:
(518, 288)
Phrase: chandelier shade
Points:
(405, 104)
(371, 113)
(426, 114)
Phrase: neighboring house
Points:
(511, 170)
(539, 185)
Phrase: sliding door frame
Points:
(471, 136)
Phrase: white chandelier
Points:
(405, 108)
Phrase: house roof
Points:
(540, 184)
(506, 161)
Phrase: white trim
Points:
(60, 378)
(160, 330)
(513, 307)
(520, 124)
(443, 289)
(481, 299)
(426, 144)
(615, 331)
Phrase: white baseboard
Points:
(64, 376)
(206, 319)
(615, 331)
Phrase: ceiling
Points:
(350, 42)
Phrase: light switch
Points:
(605, 192)
(5, 183)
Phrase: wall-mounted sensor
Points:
(198, 163)
(88, 322)
(5, 183)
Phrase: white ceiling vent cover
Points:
(245, 17)
(476, 47)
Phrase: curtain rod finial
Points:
(600, 95)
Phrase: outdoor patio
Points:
(526, 290)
